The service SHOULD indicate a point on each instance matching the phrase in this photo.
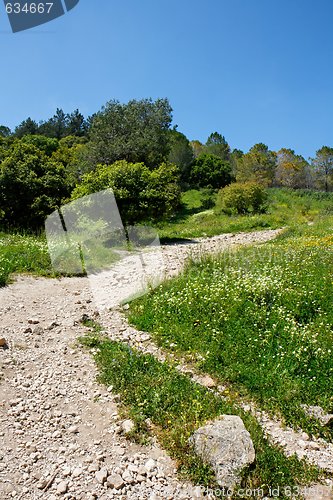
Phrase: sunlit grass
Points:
(21, 253)
(285, 208)
(260, 318)
(176, 406)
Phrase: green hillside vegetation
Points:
(44, 165)
(259, 318)
(176, 406)
(22, 252)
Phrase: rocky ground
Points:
(60, 430)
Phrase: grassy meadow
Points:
(286, 207)
(23, 253)
(259, 319)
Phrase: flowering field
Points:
(259, 318)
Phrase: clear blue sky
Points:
(254, 70)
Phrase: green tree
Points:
(198, 148)
(181, 154)
(57, 126)
(135, 132)
(257, 165)
(210, 171)
(291, 170)
(71, 153)
(5, 146)
(27, 127)
(218, 146)
(323, 168)
(235, 156)
(31, 186)
(45, 144)
(5, 131)
(76, 124)
(142, 194)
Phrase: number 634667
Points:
(29, 8)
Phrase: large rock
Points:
(227, 446)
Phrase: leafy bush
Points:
(46, 144)
(207, 198)
(141, 194)
(210, 171)
(242, 198)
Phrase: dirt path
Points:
(56, 421)
(59, 429)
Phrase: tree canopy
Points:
(257, 165)
(32, 185)
(323, 168)
(60, 125)
(218, 146)
(210, 171)
(132, 148)
(136, 132)
(291, 170)
(181, 154)
(142, 194)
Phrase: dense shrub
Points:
(141, 194)
(210, 171)
(208, 197)
(46, 144)
(242, 198)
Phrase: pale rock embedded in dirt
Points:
(115, 481)
(227, 446)
(77, 472)
(73, 429)
(127, 477)
(62, 487)
(127, 426)
(101, 475)
(206, 381)
(150, 465)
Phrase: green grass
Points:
(286, 208)
(28, 253)
(23, 254)
(258, 318)
(176, 407)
